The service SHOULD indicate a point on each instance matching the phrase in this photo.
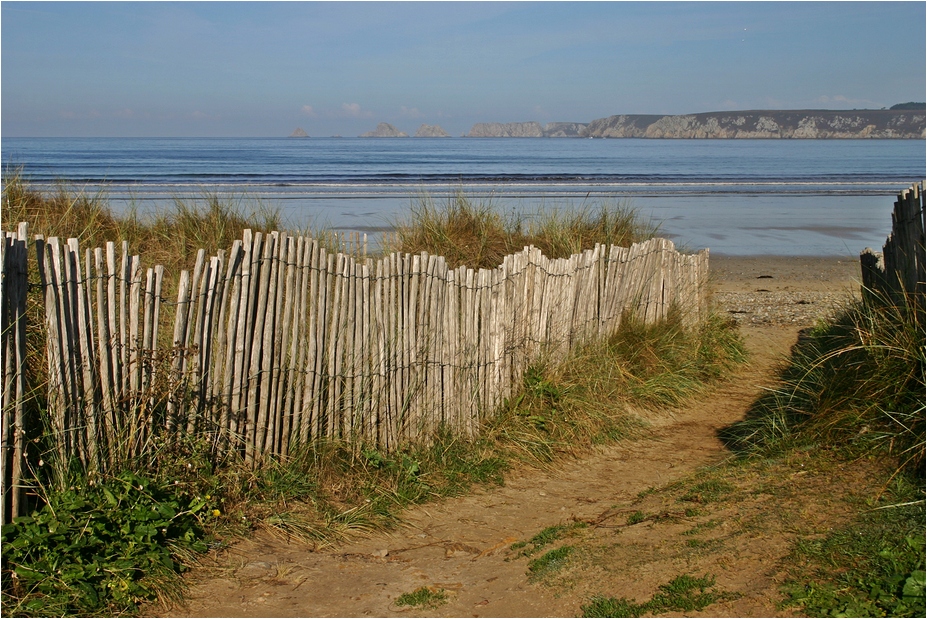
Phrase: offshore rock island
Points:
(904, 121)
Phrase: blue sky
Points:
(263, 69)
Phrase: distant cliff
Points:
(526, 130)
(506, 130)
(815, 124)
(384, 130)
(807, 124)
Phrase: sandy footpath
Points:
(462, 545)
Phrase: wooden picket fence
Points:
(897, 274)
(278, 342)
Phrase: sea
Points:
(735, 197)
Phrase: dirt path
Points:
(462, 545)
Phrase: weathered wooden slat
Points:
(308, 356)
(238, 263)
(49, 269)
(277, 373)
(75, 423)
(257, 385)
(288, 342)
(379, 387)
(103, 351)
(264, 441)
(113, 344)
(215, 397)
(251, 246)
(393, 361)
(88, 411)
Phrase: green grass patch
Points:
(423, 597)
(545, 537)
(585, 401)
(855, 385)
(549, 563)
(682, 594)
(708, 491)
(702, 527)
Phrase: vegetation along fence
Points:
(279, 342)
(897, 273)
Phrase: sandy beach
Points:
(782, 290)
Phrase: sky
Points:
(239, 69)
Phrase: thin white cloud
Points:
(307, 110)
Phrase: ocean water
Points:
(736, 197)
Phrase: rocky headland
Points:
(905, 121)
(807, 124)
(799, 124)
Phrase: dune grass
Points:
(479, 234)
(855, 381)
(170, 237)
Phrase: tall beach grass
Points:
(479, 233)
(170, 236)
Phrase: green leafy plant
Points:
(102, 547)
